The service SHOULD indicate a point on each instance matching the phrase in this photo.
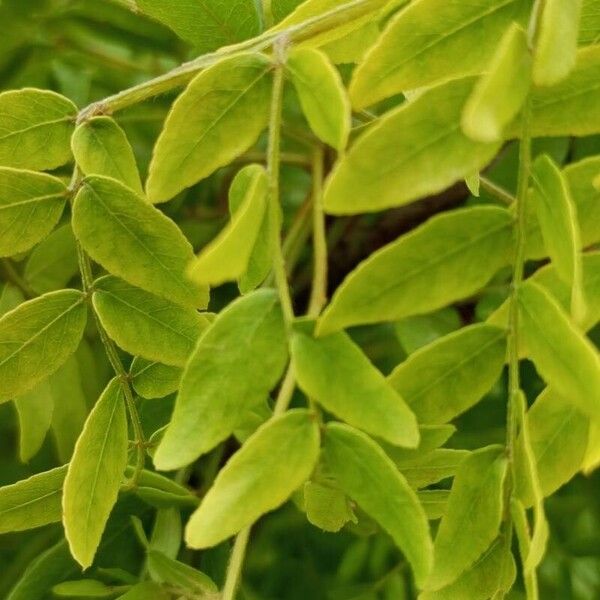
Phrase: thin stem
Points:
(273, 166)
(495, 190)
(286, 391)
(318, 296)
(181, 75)
(517, 278)
(236, 563)
(12, 276)
(289, 158)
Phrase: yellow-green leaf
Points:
(500, 93)
(30, 206)
(101, 147)
(35, 129)
(95, 474)
(37, 337)
(556, 44)
(146, 325)
(259, 477)
(135, 241)
(226, 258)
(446, 259)
(334, 371)
(218, 117)
(369, 477)
(237, 361)
(412, 151)
(322, 95)
(152, 379)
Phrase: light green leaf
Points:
(34, 409)
(334, 371)
(101, 147)
(326, 506)
(260, 259)
(560, 229)
(492, 572)
(226, 258)
(539, 539)
(161, 492)
(431, 437)
(10, 298)
(95, 474)
(37, 337)
(447, 377)
(206, 24)
(565, 358)
(589, 30)
(521, 527)
(501, 91)
(135, 241)
(434, 503)
(30, 206)
(473, 516)
(167, 570)
(144, 324)
(260, 477)
(322, 95)
(145, 590)
(473, 183)
(53, 262)
(83, 588)
(238, 360)
(430, 153)
(433, 467)
(591, 460)
(571, 107)
(352, 47)
(420, 330)
(369, 477)
(558, 436)
(446, 259)
(153, 379)
(218, 117)
(556, 44)
(432, 41)
(32, 502)
(35, 129)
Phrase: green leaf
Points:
(559, 226)
(101, 147)
(565, 358)
(153, 379)
(432, 41)
(433, 467)
(206, 24)
(238, 360)
(217, 118)
(430, 153)
(35, 129)
(95, 474)
(53, 262)
(83, 588)
(322, 95)
(571, 107)
(521, 527)
(556, 44)
(473, 516)
(145, 590)
(260, 477)
(37, 337)
(334, 371)
(147, 325)
(431, 437)
(589, 30)
(501, 91)
(434, 503)
(167, 570)
(494, 571)
(448, 258)
(260, 259)
(135, 241)
(30, 206)
(558, 435)
(32, 502)
(161, 492)
(447, 377)
(226, 258)
(326, 506)
(34, 409)
(369, 477)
